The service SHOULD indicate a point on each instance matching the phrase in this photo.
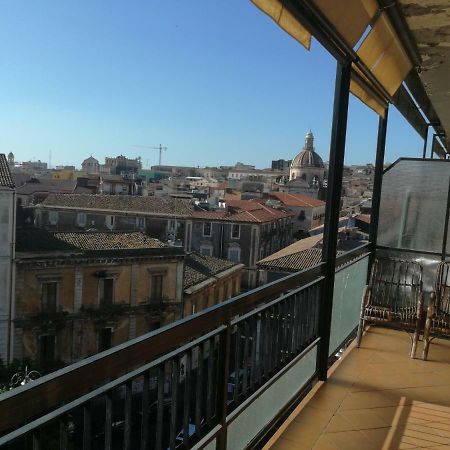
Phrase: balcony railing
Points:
(223, 376)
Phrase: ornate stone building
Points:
(84, 292)
(91, 166)
(308, 164)
(307, 170)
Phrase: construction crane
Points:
(160, 148)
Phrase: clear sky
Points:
(215, 81)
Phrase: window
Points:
(171, 225)
(235, 231)
(140, 223)
(49, 295)
(81, 219)
(206, 250)
(53, 217)
(234, 254)
(47, 348)
(207, 229)
(110, 221)
(106, 291)
(156, 288)
(104, 339)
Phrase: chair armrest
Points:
(420, 305)
(431, 305)
(367, 295)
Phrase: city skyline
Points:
(166, 73)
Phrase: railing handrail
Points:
(77, 379)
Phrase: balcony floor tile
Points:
(376, 398)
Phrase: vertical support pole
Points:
(433, 143)
(425, 142)
(222, 388)
(336, 167)
(377, 185)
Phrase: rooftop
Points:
(46, 185)
(124, 203)
(199, 268)
(294, 261)
(35, 240)
(243, 211)
(297, 199)
(293, 249)
(5, 174)
(307, 252)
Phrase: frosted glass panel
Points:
(258, 414)
(413, 203)
(349, 286)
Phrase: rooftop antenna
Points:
(160, 148)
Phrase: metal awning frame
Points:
(418, 111)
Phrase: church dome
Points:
(307, 157)
(91, 160)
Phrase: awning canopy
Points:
(283, 17)
(354, 20)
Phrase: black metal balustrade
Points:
(177, 385)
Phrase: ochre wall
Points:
(77, 331)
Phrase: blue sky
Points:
(216, 82)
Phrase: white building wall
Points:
(7, 242)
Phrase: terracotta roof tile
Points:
(296, 199)
(292, 262)
(199, 268)
(296, 247)
(129, 203)
(30, 240)
(5, 173)
(243, 211)
(46, 185)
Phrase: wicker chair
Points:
(394, 296)
(438, 313)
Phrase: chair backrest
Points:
(396, 284)
(442, 288)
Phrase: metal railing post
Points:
(377, 185)
(334, 188)
(222, 392)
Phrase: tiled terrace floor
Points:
(377, 398)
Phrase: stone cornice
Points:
(72, 260)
